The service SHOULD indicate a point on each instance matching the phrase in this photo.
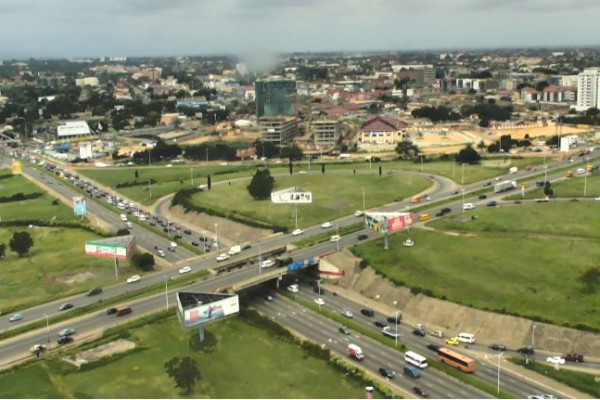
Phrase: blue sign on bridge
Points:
(296, 265)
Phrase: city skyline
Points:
(71, 28)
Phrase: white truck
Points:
(504, 185)
(513, 170)
(355, 352)
(235, 250)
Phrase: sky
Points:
(82, 28)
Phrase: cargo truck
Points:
(355, 352)
(504, 185)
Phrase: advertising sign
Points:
(79, 206)
(291, 196)
(389, 222)
(564, 144)
(117, 247)
(296, 265)
(400, 222)
(85, 150)
(17, 167)
(202, 308)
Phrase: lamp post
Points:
(533, 335)
(463, 199)
(192, 175)
(150, 187)
(585, 177)
(166, 290)
(168, 227)
(337, 242)
(149, 152)
(217, 235)
(364, 204)
(421, 155)
(259, 259)
(396, 335)
(499, 356)
(47, 328)
(462, 179)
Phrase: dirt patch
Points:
(95, 354)
(76, 278)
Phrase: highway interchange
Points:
(442, 188)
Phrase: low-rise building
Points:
(87, 81)
(327, 132)
(279, 130)
(380, 130)
(73, 128)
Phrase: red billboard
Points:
(400, 222)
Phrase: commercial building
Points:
(275, 96)
(382, 130)
(587, 89)
(72, 129)
(279, 130)
(87, 81)
(327, 132)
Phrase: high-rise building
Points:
(275, 96)
(587, 89)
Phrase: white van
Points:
(513, 170)
(234, 250)
(466, 337)
(580, 171)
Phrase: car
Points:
(555, 360)
(393, 320)
(133, 279)
(535, 396)
(173, 244)
(526, 350)
(492, 203)
(319, 290)
(64, 340)
(320, 301)
(123, 217)
(362, 236)
(185, 270)
(187, 231)
(517, 202)
(335, 238)
(418, 332)
(482, 197)
(94, 292)
(326, 225)
(574, 357)
(380, 324)
(347, 313)
(420, 392)
(387, 331)
(161, 253)
(488, 184)
(367, 312)
(597, 199)
(497, 347)
(359, 213)
(302, 172)
(128, 224)
(222, 257)
(196, 244)
(297, 232)
(65, 306)
(37, 348)
(293, 288)
(420, 327)
(468, 206)
(433, 347)
(111, 311)
(387, 373)
(66, 332)
(344, 330)
(16, 317)
(453, 341)
(408, 243)
(269, 298)
(548, 396)
(267, 263)
(446, 210)
(438, 334)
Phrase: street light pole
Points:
(421, 155)
(47, 328)
(396, 335)
(217, 235)
(149, 152)
(533, 335)
(462, 179)
(585, 177)
(337, 242)
(150, 187)
(259, 259)
(499, 356)
(192, 175)
(167, 291)
(463, 199)
(363, 193)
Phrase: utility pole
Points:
(166, 290)
(192, 175)
(149, 152)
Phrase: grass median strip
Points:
(471, 380)
(101, 304)
(325, 236)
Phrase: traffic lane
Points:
(485, 371)
(324, 331)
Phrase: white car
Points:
(66, 332)
(129, 224)
(347, 313)
(326, 225)
(161, 253)
(173, 244)
(123, 217)
(37, 348)
(136, 214)
(142, 217)
(359, 213)
(468, 206)
(597, 198)
(555, 360)
(133, 279)
(335, 238)
(302, 172)
(408, 243)
(319, 301)
(16, 317)
(293, 288)
(222, 257)
(267, 263)
(185, 270)
(297, 232)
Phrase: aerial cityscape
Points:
(313, 200)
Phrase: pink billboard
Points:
(400, 222)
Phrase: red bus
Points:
(124, 310)
(456, 360)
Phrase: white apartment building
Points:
(587, 89)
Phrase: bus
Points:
(455, 359)
(415, 359)
(123, 310)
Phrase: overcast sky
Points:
(68, 28)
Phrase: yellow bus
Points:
(456, 360)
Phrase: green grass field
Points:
(572, 187)
(16, 184)
(247, 362)
(334, 195)
(56, 267)
(525, 260)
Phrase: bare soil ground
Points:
(97, 353)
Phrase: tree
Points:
(505, 142)
(291, 167)
(137, 175)
(548, 191)
(380, 170)
(2, 250)
(541, 85)
(185, 373)
(123, 232)
(208, 182)
(468, 155)
(591, 279)
(293, 153)
(322, 168)
(407, 149)
(143, 261)
(262, 183)
(20, 243)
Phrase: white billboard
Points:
(292, 196)
(80, 206)
(201, 314)
(116, 247)
(85, 150)
(565, 144)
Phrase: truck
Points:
(513, 170)
(238, 248)
(355, 352)
(504, 185)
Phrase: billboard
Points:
(389, 222)
(202, 308)
(79, 206)
(17, 167)
(117, 247)
(85, 150)
(293, 195)
(565, 144)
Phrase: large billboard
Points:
(17, 167)
(293, 195)
(389, 222)
(85, 150)
(117, 247)
(202, 308)
(79, 206)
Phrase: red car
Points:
(420, 392)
